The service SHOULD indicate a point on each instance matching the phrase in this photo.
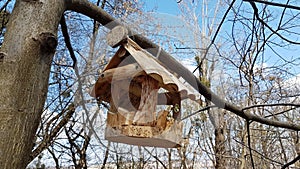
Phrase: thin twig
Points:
(274, 4)
(259, 153)
(271, 105)
(5, 5)
(196, 112)
(215, 35)
(49, 137)
(249, 144)
(157, 158)
(255, 10)
(291, 162)
(273, 115)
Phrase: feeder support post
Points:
(116, 36)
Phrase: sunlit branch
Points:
(271, 105)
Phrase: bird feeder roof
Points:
(131, 61)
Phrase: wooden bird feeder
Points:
(136, 85)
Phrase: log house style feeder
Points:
(136, 85)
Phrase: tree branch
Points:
(93, 11)
(196, 112)
(49, 137)
(255, 10)
(274, 4)
(215, 35)
(157, 158)
(179, 1)
(65, 33)
(249, 143)
(259, 153)
(5, 5)
(271, 105)
(291, 162)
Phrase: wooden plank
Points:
(102, 91)
(122, 110)
(119, 56)
(112, 119)
(162, 119)
(121, 73)
(102, 87)
(171, 137)
(146, 113)
(152, 66)
(116, 36)
(157, 71)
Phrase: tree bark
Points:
(28, 49)
(220, 149)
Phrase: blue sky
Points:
(163, 6)
(170, 7)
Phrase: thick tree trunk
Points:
(220, 149)
(218, 120)
(27, 52)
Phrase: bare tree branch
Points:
(106, 155)
(49, 137)
(255, 10)
(196, 112)
(263, 156)
(291, 162)
(215, 35)
(157, 158)
(274, 4)
(271, 105)
(54, 158)
(249, 144)
(179, 1)
(65, 33)
(4, 5)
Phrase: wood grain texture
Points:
(116, 36)
(145, 114)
